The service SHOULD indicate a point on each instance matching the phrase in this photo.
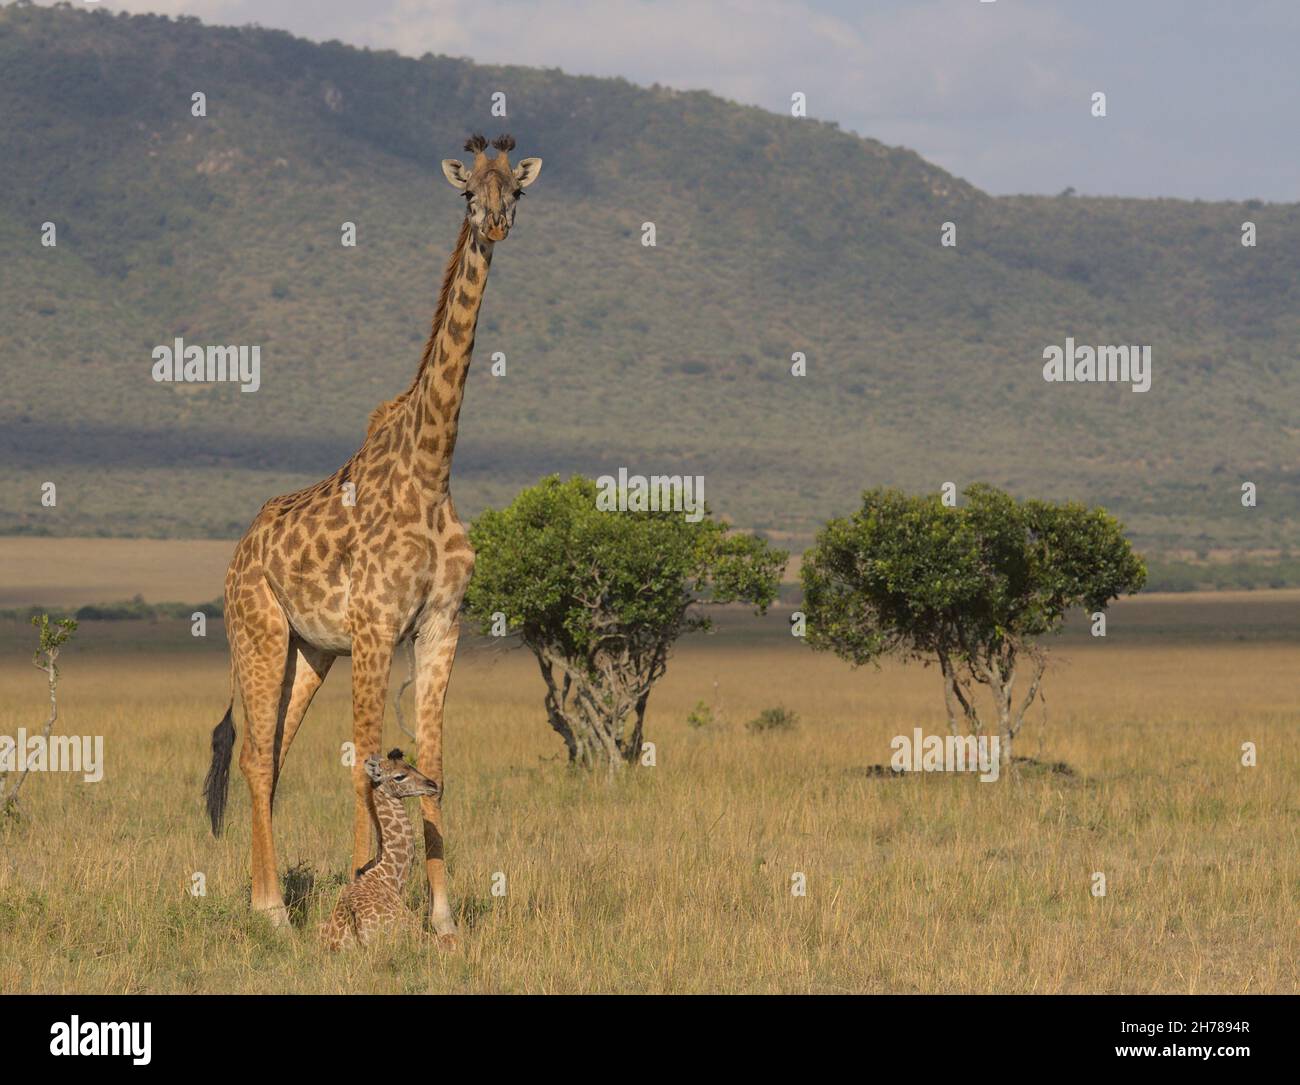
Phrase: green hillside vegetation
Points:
(775, 235)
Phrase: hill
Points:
(774, 235)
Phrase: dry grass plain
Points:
(40, 571)
(678, 879)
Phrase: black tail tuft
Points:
(218, 781)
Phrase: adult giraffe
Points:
(372, 556)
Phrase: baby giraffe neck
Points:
(394, 832)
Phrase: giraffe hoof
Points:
(277, 915)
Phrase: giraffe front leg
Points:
(371, 660)
(435, 651)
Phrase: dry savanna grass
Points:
(35, 570)
(679, 878)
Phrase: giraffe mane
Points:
(444, 303)
(390, 408)
(381, 414)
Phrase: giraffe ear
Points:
(455, 172)
(372, 768)
(527, 170)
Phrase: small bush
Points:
(701, 716)
(779, 718)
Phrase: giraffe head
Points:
(491, 186)
(395, 778)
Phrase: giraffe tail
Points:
(217, 784)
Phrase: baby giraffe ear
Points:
(372, 768)
(455, 172)
(527, 170)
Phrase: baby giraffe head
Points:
(395, 778)
(491, 187)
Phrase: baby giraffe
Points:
(372, 904)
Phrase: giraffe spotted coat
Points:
(371, 906)
(367, 559)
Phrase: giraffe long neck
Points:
(396, 843)
(439, 386)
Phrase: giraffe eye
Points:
(520, 193)
(399, 779)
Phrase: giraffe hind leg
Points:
(305, 671)
(259, 641)
(336, 932)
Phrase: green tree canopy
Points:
(600, 597)
(970, 588)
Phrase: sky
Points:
(1202, 96)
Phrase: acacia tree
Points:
(970, 588)
(600, 597)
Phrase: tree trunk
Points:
(949, 693)
(9, 789)
(590, 719)
(956, 697)
(1016, 719)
